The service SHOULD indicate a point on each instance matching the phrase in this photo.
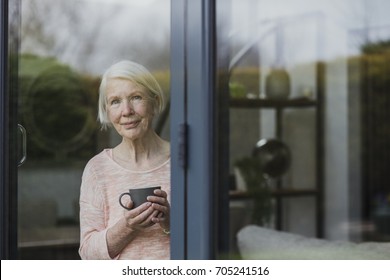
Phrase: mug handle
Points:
(120, 200)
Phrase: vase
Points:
(277, 84)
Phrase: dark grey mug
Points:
(138, 196)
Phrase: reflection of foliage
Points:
(251, 170)
(246, 79)
(237, 90)
(58, 109)
(377, 48)
(77, 31)
(375, 69)
(163, 78)
(61, 92)
(162, 121)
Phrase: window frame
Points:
(199, 214)
(8, 124)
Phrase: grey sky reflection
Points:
(92, 34)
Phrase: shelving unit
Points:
(281, 191)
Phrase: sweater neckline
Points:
(108, 153)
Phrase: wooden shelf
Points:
(267, 103)
(277, 193)
(282, 191)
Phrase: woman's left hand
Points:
(160, 203)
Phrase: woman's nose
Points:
(128, 108)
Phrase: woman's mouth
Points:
(130, 125)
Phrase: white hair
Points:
(135, 73)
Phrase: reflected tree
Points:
(90, 35)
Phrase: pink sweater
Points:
(102, 182)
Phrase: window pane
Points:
(65, 48)
(309, 87)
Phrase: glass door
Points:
(279, 130)
(308, 86)
(65, 46)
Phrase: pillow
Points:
(256, 242)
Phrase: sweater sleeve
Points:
(93, 228)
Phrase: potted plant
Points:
(257, 187)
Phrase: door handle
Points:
(23, 134)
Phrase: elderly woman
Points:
(129, 98)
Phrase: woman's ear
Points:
(156, 101)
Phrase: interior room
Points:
(308, 88)
(307, 137)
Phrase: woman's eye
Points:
(137, 98)
(114, 101)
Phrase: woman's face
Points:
(129, 108)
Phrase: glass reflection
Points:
(65, 47)
(313, 75)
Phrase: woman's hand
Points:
(160, 203)
(140, 217)
(126, 229)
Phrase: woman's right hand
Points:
(141, 216)
(134, 220)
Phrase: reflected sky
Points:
(92, 34)
(308, 30)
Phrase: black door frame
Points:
(8, 125)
